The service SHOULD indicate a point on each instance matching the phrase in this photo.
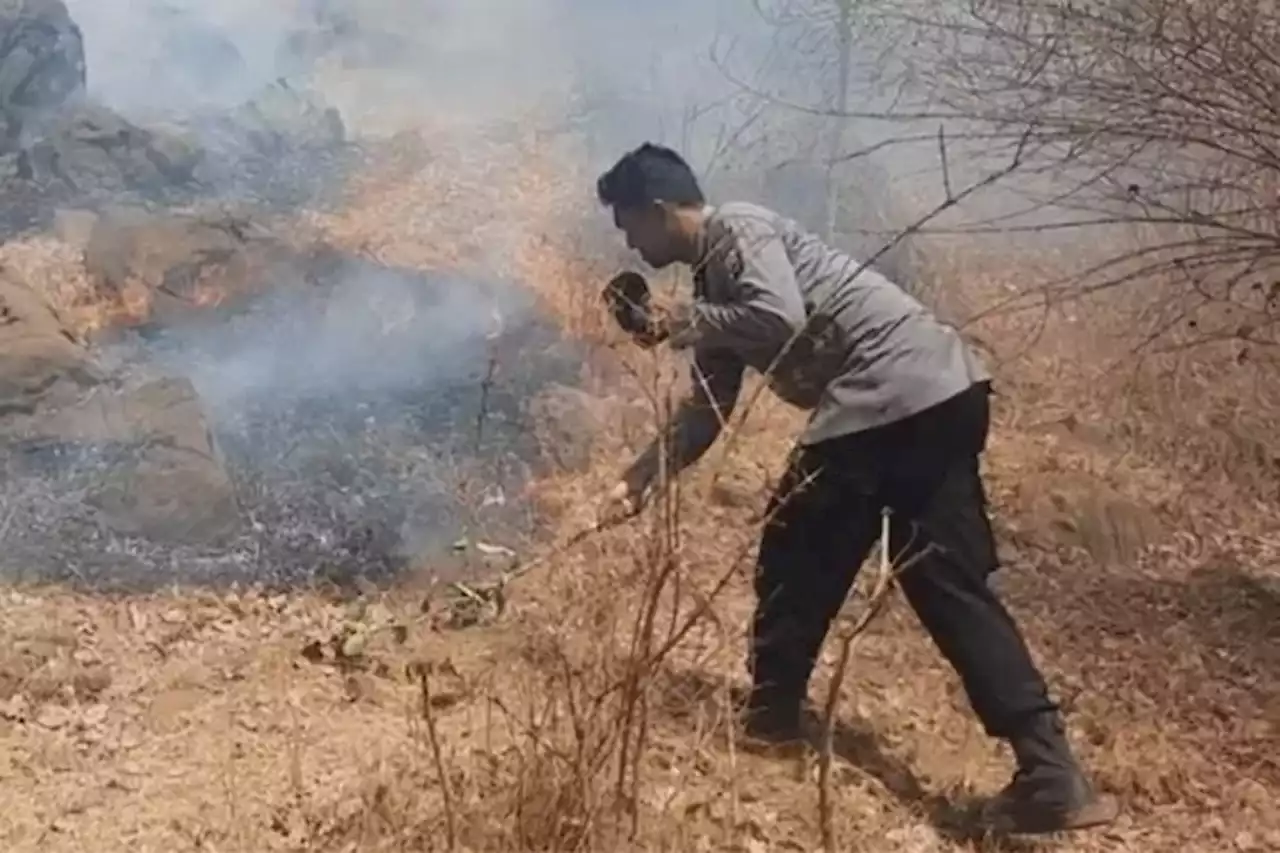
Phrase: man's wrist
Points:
(680, 325)
(637, 481)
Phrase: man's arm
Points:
(696, 424)
(766, 307)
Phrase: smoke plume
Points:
(344, 409)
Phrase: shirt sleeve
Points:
(697, 422)
(765, 308)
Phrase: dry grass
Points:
(55, 269)
(595, 713)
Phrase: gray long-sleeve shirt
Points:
(856, 350)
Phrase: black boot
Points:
(772, 718)
(1049, 792)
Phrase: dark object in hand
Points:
(627, 295)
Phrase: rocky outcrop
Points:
(166, 482)
(41, 63)
(92, 151)
(278, 118)
(42, 364)
(282, 147)
(58, 148)
(174, 262)
(88, 152)
(164, 269)
(143, 455)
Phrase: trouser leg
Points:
(948, 539)
(944, 533)
(817, 536)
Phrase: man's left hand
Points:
(621, 502)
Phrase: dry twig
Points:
(437, 756)
(875, 604)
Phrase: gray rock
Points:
(93, 150)
(42, 62)
(162, 479)
(171, 486)
(284, 113)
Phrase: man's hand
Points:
(681, 325)
(627, 297)
(621, 502)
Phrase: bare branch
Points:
(1157, 116)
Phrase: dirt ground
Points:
(1148, 583)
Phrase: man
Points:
(899, 419)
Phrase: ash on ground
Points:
(363, 423)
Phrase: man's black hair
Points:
(650, 173)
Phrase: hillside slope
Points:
(591, 714)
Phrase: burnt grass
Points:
(359, 443)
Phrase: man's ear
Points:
(669, 213)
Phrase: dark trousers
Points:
(925, 470)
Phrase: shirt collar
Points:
(704, 247)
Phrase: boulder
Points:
(281, 114)
(41, 62)
(176, 261)
(280, 118)
(85, 155)
(94, 151)
(41, 363)
(156, 470)
(58, 147)
(166, 481)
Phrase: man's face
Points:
(650, 232)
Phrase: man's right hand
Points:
(621, 502)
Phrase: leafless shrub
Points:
(1152, 120)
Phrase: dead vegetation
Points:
(596, 713)
(1136, 503)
